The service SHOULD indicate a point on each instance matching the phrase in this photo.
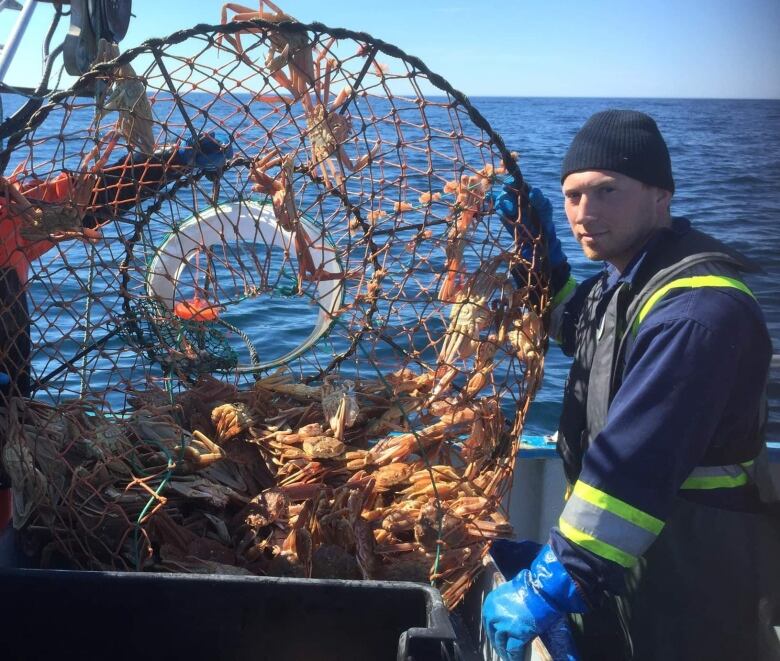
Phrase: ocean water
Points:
(726, 162)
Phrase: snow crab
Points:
(280, 189)
(231, 420)
(329, 126)
(51, 220)
(288, 48)
(470, 314)
(470, 191)
(339, 405)
(127, 96)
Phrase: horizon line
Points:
(646, 98)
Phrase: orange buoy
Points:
(196, 309)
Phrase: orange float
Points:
(196, 309)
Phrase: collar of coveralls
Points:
(614, 278)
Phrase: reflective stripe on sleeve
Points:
(719, 477)
(607, 526)
(558, 308)
(688, 283)
(596, 546)
(566, 291)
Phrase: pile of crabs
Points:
(285, 479)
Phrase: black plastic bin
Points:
(114, 616)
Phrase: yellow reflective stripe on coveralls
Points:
(607, 526)
(703, 477)
(612, 529)
(688, 283)
(566, 291)
(558, 308)
(719, 477)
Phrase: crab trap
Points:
(266, 320)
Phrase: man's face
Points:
(612, 215)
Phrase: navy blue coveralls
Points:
(665, 531)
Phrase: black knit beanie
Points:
(623, 141)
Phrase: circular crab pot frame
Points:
(306, 205)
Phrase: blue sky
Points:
(603, 48)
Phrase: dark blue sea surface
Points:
(726, 161)
(726, 164)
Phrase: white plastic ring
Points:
(253, 223)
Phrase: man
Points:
(666, 547)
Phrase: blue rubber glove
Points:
(505, 203)
(510, 558)
(5, 389)
(534, 603)
(559, 641)
(210, 151)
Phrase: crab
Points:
(426, 441)
(435, 525)
(400, 517)
(470, 314)
(486, 432)
(525, 336)
(285, 453)
(43, 220)
(438, 481)
(482, 371)
(230, 420)
(310, 430)
(288, 48)
(395, 418)
(281, 383)
(262, 511)
(323, 447)
(55, 209)
(127, 96)
(29, 483)
(390, 476)
(470, 196)
(329, 126)
(297, 546)
(199, 452)
(357, 460)
(339, 404)
(283, 200)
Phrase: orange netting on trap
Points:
(274, 324)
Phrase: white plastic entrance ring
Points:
(252, 223)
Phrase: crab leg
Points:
(271, 6)
(301, 63)
(281, 78)
(322, 82)
(341, 97)
(364, 160)
(242, 13)
(324, 92)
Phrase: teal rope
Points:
(149, 503)
(163, 483)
